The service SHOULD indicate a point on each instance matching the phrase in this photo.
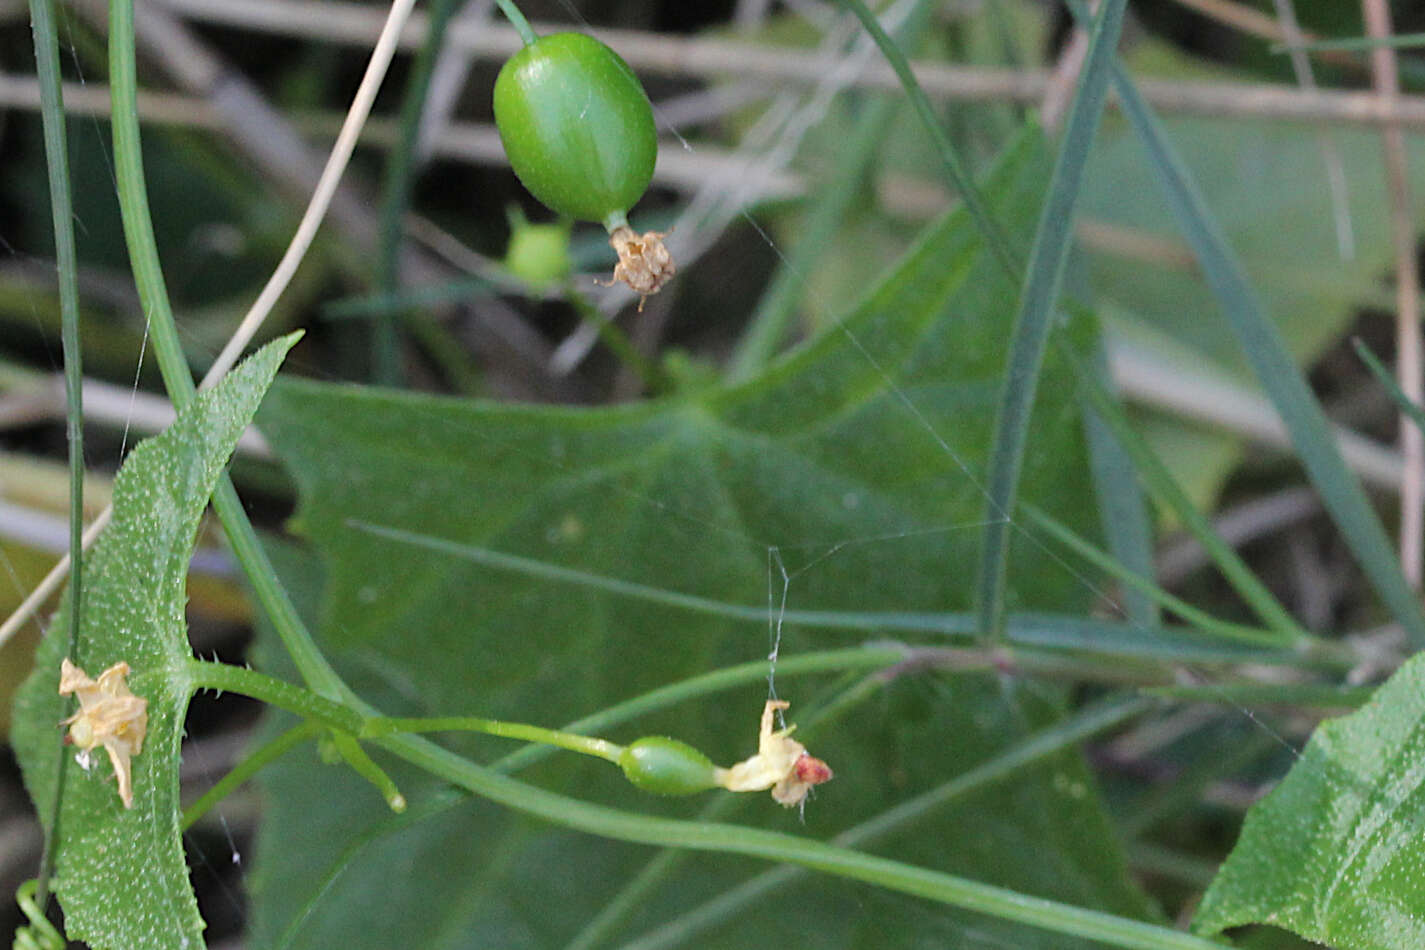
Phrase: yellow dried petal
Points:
(781, 764)
(109, 715)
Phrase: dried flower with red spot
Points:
(781, 764)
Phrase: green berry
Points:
(666, 766)
(576, 126)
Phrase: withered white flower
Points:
(109, 715)
(781, 764)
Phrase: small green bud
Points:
(538, 254)
(666, 766)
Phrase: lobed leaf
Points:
(120, 873)
(875, 433)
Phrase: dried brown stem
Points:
(1385, 76)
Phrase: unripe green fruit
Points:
(576, 126)
(539, 253)
(667, 767)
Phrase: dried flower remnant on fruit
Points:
(781, 764)
(109, 715)
(643, 261)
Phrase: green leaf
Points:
(121, 876)
(704, 495)
(1335, 852)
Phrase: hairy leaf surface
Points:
(121, 876)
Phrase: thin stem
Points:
(46, 40)
(587, 745)
(649, 373)
(148, 277)
(362, 764)
(224, 677)
(1024, 754)
(269, 752)
(618, 909)
(998, 902)
(1164, 488)
(517, 20)
(994, 237)
(399, 180)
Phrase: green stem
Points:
(363, 765)
(648, 372)
(891, 875)
(517, 20)
(1295, 695)
(224, 677)
(398, 181)
(163, 331)
(1028, 752)
(587, 745)
(618, 909)
(1043, 631)
(250, 765)
(46, 41)
(615, 220)
(1383, 376)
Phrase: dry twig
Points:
(1385, 76)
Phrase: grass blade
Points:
(1122, 509)
(46, 38)
(1162, 486)
(1175, 605)
(398, 181)
(1276, 370)
(955, 170)
(1383, 375)
(1037, 303)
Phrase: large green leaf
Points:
(876, 434)
(1335, 852)
(120, 874)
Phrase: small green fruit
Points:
(576, 126)
(666, 766)
(538, 254)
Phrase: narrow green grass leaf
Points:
(1276, 370)
(1355, 43)
(767, 329)
(1164, 487)
(1122, 509)
(120, 875)
(1176, 605)
(1037, 306)
(954, 166)
(397, 183)
(1384, 377)
(46, 39)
